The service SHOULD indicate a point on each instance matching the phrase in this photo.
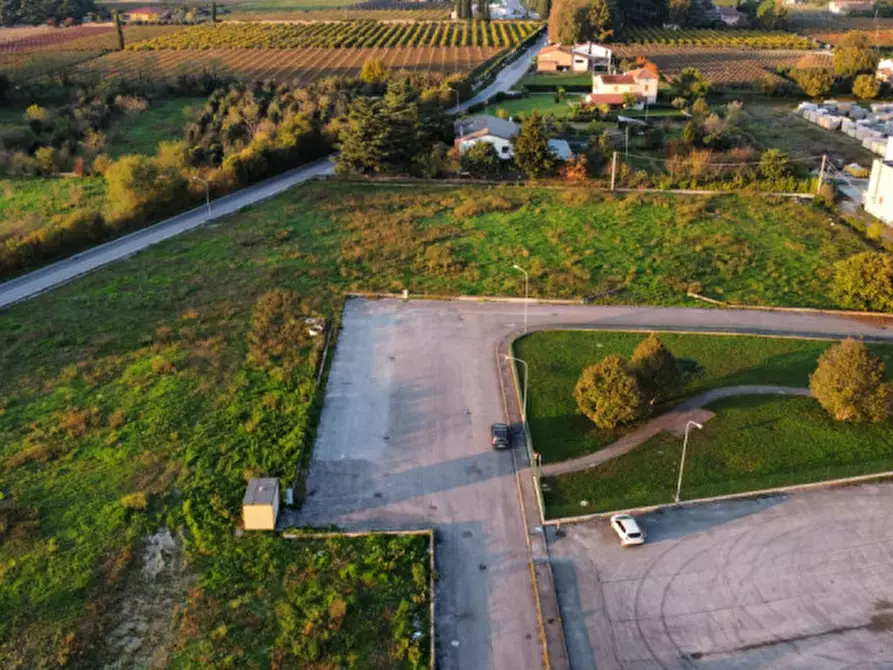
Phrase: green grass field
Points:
(162, 121)
(28, 203)
(557, 359)
(147, 377)
(753, 443)
(544, 103)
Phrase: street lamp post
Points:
(526, 292)
(684, 447)
(526, 378)
(207, 192)
(456, 91)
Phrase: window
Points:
(505, 149)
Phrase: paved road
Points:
(673, 421)
(34, 283)
(507, 78)
(781, 582)
(403, 443)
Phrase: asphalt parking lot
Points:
(788, 581)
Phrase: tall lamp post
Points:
(526, 378)
(207, 192)
(684, 447)
(526, 292)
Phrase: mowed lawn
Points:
(752, 443)
(141, 395)
(163, 121)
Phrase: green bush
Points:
(609, 393)
(865, 281)
(851, 383)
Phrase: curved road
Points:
(29, 285)
(506, 78)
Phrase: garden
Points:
(753, 442)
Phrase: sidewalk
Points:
(673, 421)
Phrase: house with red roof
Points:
(642, 82)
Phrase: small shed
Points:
(261, 504)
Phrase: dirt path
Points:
(673, 421)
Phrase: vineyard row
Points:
(691, 37)
(348, 34)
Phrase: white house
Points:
(849, 6)
(584, 57)
(610, 88)
(885, 70)
(484, 128)
(879, 196)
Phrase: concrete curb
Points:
(541, 626)
(794, 488)
(556, 654)
(432, 591)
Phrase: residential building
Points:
(885, 70)
(561, 149)
(850, 6)
(147, 14)
(496, 132)
(642, 82)
(585, 57)
(879, 196)
(731, 16)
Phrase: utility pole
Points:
(613, 170)
(818, 189)
(526, 292)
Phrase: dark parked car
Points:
(499, 436)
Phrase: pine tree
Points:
(363, 139)
(401, 113)
(119, 31)
(532, 153)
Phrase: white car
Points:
(627, 530)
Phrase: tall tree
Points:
(363, 139)
(532, 153)
(574, 21)
(598, 21)
(213, 12)
(851, 383)
(401, 112)
(484, 10)
(772, 15)
(855, 55)
(119, 31)
(677, 11)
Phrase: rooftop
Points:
(261, 491)
(492, 125)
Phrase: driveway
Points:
(403, 443)
(507, 77)
(62, 272)
(801, 581)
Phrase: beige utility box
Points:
(261, 504)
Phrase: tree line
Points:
(35, 12)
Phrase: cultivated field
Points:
(26, 53)
(829, 28)
(344, 34)
(740, 39)
(298, 66)
(724, 65)
(81, 38)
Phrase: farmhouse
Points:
(885, 70)
(585, 57)
(147, 14)
(879, 196)
(485, 128)
(850, 6)
(609, 89)
(260, 506)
